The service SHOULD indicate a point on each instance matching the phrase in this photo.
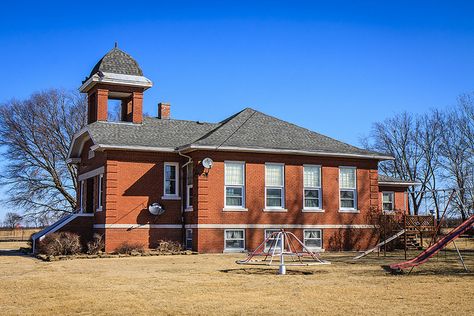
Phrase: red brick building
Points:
(217, 187)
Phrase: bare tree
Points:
(12, 220)
(35, 134)
(456, 151)
(429, 142)
(406, 138)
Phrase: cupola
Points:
(117, 76)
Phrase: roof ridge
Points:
(178, 120)
(220, 125)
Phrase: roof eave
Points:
(116, 79)
(79, 139)
(189, 148)
(101, 147)
(398, 184)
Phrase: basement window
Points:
(189, 239)
(234, 240)
(313, 238)
(272, 241)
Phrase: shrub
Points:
(96, 245)
(128, 248)
(169, 246)
(63, 243)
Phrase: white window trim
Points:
(90, 154)
(81, 202)
(314, 248)
(265, 235)
(233, 249)
(318, 209)
(187, 237)
(100, 184)
(393, 201)
(235, 208)
(283, 195)
(189, 206)
(171, 196)
(348, 209)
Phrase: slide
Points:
(380, 244)
(435, 248)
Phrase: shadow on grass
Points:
(267, 271)
(13, 253)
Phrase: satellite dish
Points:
(207, 163)
(156, 209)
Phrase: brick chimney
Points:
(164, 111)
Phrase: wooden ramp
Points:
(386, 241)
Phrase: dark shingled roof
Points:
(388, 179)
(118, 62)
(248, 128)
(153, 132)
(253, 129)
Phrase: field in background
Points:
(18, 234)
(214, 284)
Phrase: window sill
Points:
(171, 197)
(98, 209)
(349, 211)
(275, 210)
(312, 210)
(389, 212)
(316, 249)
(236, 209)
(189, 209)
(234, 250)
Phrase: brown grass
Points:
(7, 234)
(214, 284)
(13, 244)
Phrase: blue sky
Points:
(331, 66)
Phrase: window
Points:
(81, 201)
(274, 186)
(313, 238)
(347, 186)
(387, 201)
(234, 239)
(272, 241)
(312, 187)
(171, 179)
(189, 239)
(189, 185)
(234, 184)
(100, 189)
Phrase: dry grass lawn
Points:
(215, 285)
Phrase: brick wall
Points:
(134, 180)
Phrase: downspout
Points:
(183, 205)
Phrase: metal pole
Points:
(405, 234)
(460, 257)
(282, 269)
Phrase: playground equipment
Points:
(379, 245)
(435, 248)
(282, 248)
